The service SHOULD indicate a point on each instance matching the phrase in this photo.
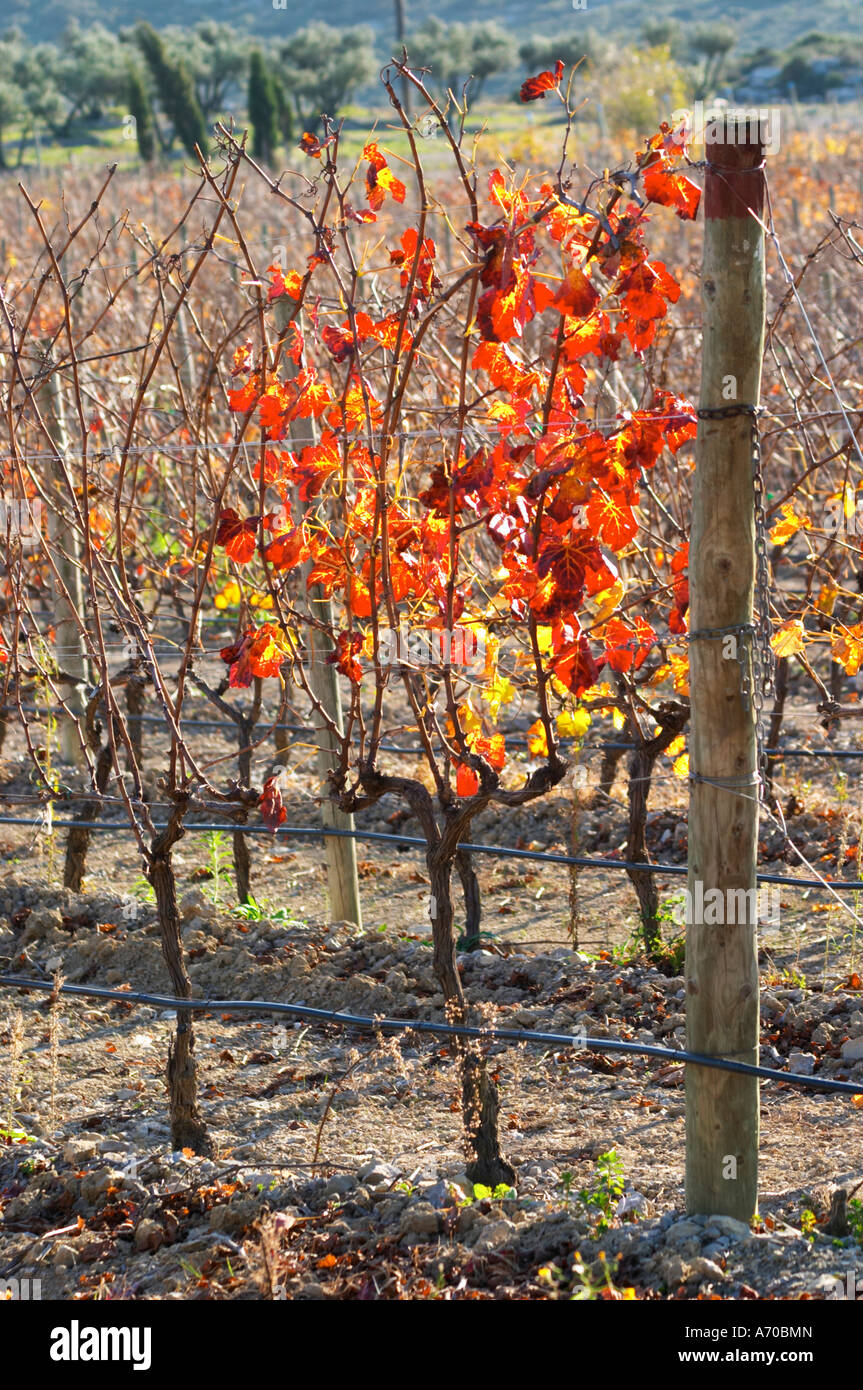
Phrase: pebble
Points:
(340, 1185)
(420, 1219)
(729, 1226)
(803, 1063)
(494, 1235)
(78, 1151)
(444, 1194)
(633, 1202)
(377, 1174)
(149, 1235)
(707, 1269)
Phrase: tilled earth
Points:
(338, 1167)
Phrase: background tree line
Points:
(175, 82)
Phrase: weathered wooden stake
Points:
(343, 883)
(68, 598)
(342, 879)
(722, 1119)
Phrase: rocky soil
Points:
(338, 1170)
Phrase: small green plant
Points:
(217, 849)
(254, 911)
(854, 1212)
(481, 1193)
(587, 1283)
(601, 1196)
(143, 890)
(670, 955)
(789, 975)
(11, 1135)
(625, 952)
(808, 1223)
(501, 1193)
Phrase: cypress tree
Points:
(139, 107)
(263, 108)
(285, 115)
(176, 90)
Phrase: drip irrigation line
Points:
(445, 1030)
(502, 851)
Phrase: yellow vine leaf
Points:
(789, 639)
(498, 692)
(573, 725)
(229, 596)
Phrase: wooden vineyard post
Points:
(722, 1007)
(342, 879)
(68, 598)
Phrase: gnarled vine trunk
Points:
(673, 719)
(78, 839)
(187, 1126)
(472, 902)
(242, 866)
(480, 1102)
(135, 687)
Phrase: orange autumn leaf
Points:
(271, 805)
(237, 534)
(466, 780)
(577, 297)
(493, 749)
(671, 190)
(281, 285)
(612, 519)
(344, 657)
(790, 522)
(846, 648)
(537, 87)
(380, 179)
(537, 741)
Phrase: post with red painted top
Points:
(722, 1119)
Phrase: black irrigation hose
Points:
(445, 1030)
(229, 727)
(503, 851)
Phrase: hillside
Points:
(758, 22)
